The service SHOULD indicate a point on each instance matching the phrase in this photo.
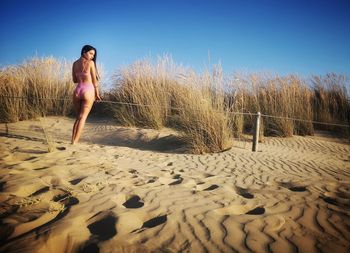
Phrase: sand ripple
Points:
(293, 196)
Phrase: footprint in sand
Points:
(34, 213)
(152, 223)
(298, 189)
(206, 175)
(256, 211)
(133, 202)
(178, 178)
(330, 200)
(133, 171)
(174, 180)
(76, 181)
(293, 187)
(152, 180)
(155, 222)
(212, 187)
(201, 187)
(89, 247)
(336, 201)
(104, 228)
(66, 198)
(40, 191)
(244, 193)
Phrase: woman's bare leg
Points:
(85, 108)
(77, 108)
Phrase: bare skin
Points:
(83, 105)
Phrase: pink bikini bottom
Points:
(82, 88)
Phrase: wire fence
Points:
(179, 109)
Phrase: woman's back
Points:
(81, 70)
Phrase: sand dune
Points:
(135, 190)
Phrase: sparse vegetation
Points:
(205, 107)
(175, 97)
(330, 101)
(281, 97)
(30, 83)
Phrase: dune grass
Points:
(173, 96)
(205, 107)
(330, 101)
(144, 90)
(25, 89)
(282, 97)
(203, 115)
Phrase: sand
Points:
(135, 190)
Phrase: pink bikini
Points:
(82, 87)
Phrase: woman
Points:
(85, 74)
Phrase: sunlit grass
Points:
(176, 97)
(205, 107)
(41, 86)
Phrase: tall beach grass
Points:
(281, 99)
(144, 89)
(330, 101)
(203, 114)
(207, 108)
(37, 87)
(163, 94)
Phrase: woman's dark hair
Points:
(87, 48)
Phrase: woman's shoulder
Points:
(76, 62)
(85, 62)
(91, 64)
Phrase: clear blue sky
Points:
(302, 37)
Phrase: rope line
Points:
(175, 108)
(101, 101)
(304, 120)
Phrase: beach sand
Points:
(135, 190)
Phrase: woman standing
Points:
(85, 74)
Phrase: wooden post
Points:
(256, 133)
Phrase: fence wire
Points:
(179, 109)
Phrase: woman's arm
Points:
(94, 80)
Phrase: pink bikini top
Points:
(82, 73)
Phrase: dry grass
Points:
(204, 115)
(205, 107)
(50, 142)
(286, 97)
(330, 101)
(283, 97)
(32, 81)
(208, 106)
(146, 85)
(175, 97)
